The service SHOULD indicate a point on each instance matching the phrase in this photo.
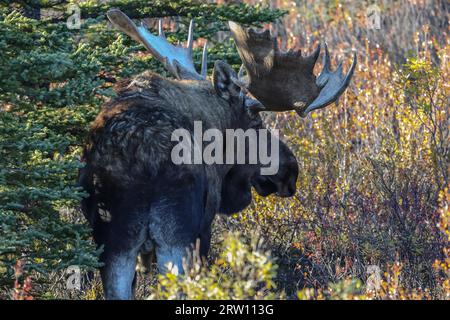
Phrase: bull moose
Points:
(139, 201)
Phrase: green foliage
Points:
(40, 132)
(242, 271)
(53, 81)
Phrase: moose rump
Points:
(131, 206)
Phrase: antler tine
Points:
(204, 60)
(339, 68)
(332, 84)
(176, 59)
(326, 59)
(321, 80)
(240, 81)
(190, 41)
(312, 58)
(241, 71)
(161, 29)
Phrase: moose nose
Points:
(286, 191)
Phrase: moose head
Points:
(178, 61)
(280, 81)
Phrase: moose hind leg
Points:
(175, 224)
(122, 240)
(118, 276)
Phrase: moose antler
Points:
(176, 59)
(284, 81)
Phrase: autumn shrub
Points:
(243, 270)
(405, 26)
(371, 171)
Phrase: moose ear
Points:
(224, 78)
